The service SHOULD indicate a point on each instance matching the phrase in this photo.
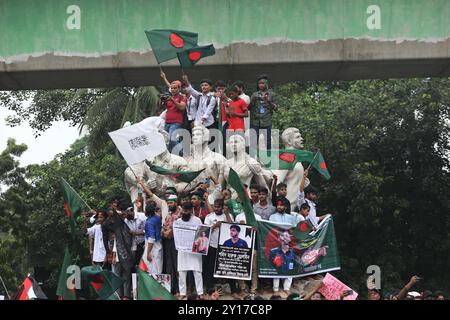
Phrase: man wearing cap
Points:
(206, 102)
(175, 106)
(235, 241)
(168, 243)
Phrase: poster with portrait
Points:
(192, 238)
(234, 256)
(287, 251)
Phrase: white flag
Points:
(138, 142)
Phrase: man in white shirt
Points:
(206, 102)
(188, 261)
(137, 229)
(214, 219)
(281, 216)
(99, 253)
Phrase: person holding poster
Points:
(189, 261)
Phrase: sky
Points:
(55, 140)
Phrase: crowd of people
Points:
(127, 233)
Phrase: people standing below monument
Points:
(137, 230)
(262, 105)
(280, 191)
(309, 195)
(205, 102)
(95, 233)
(168, 243)
(254, 194)
(214, 219)
(282, 215)
(187, 261)
(199, 207)
(263, 208)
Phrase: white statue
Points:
(168, 161)
(292, 139)
(201, 157)
(244, 165)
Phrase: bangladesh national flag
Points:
(104, 282)
(235, 182)
(320, 165)
(167, 43)
(63, 292)
(191, 56)
(184, 176)
(73, 203)
(30, 290)
(149, 288)
(286, 159)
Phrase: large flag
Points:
(166, 43)
(149, 288)
(189, 57)
(29, 290)
(235, 182)
(104, 282)
(184, 176)
(288, 251)
(73, 203)
(138, 142)
(63, 292)
(286, 159)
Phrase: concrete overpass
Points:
(101, 43)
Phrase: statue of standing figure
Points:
(292, 139)
(202, 157)
(245, 166)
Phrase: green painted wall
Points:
(109, 26)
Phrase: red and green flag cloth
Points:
(29, 290)
(166, 43)
(286, 159)
(190, 57)
(63, 292)
(235, 182)
(148, 287)
(73, 203)
(104, 282)
(183, 176)
(309, 251)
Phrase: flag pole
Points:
(6, 290)
(310, 164)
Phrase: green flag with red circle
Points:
(166, 43)
(320, 165)
(190, 57)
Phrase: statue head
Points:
(200, 135)
(236, 143)
(291, 137)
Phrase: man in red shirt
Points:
(236, 111)
(175, 106)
